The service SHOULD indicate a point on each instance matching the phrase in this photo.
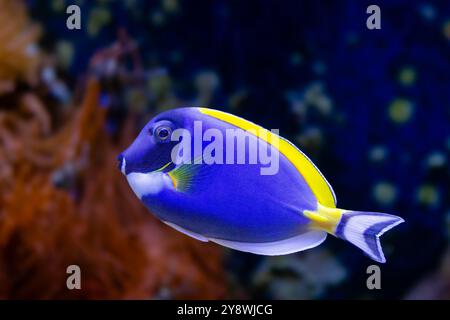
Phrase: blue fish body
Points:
(234, 204)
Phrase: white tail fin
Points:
(364, 230)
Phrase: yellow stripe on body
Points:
(315, 180)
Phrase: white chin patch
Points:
(148, 183)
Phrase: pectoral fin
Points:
(186, 177)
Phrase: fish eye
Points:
(163, 132)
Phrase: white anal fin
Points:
(301, 242)
(187, 232)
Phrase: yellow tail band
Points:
(324, 218)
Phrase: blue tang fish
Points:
(235, 205)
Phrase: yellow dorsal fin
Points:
(316, 181)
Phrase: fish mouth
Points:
(122, 163)
(123, 166)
